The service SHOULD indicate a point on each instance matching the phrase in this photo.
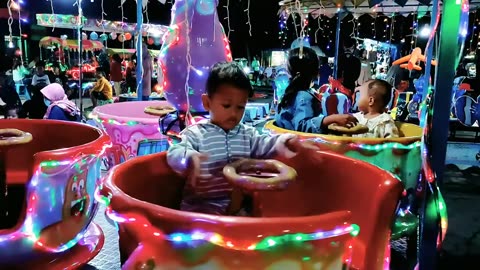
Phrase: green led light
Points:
(355, 230)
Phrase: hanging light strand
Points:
(392, 29)
(10, 21)
(53, 15)
(146, 14)
(354, 28)
(20, 32)
(123, 28)
(319, 22)
(248, 18)
(413, 42)
(303, 19)
(103, 18)
(473, 31)
(190, 67)
(228, 19)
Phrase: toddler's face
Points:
(226, 106)
(365, 100)
(12, 114)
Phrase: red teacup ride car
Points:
(336, 214)
(48, 174)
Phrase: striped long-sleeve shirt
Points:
(212, 191)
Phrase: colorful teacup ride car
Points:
(133, 132)
(48, 174)
(305, 214)
(400, 156)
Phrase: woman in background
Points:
(58, 105)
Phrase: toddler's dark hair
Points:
(11, 108)
(386, 93)
(228, 73)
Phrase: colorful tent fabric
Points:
(87, 45)
(126, 53)
(49, 41)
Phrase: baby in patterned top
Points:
(374, 98)
(207, 147)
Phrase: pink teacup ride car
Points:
(48, 174)
(317, 210)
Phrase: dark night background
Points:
(264, 19)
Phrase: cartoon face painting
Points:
(76, 198)
(75, 213)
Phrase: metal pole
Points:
(448, 49)
(139, 50)
(442, 98)
(80, 49)
(337, 43)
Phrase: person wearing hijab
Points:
(58, 105)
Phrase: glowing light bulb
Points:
(425, 32)
(10, 44)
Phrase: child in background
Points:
(11, 112)
(206, 148)
(374, 98)
(40, 79)
(102, 90)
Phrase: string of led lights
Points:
(10, 21)
(103, 20)
(248, 18)
(283, 21)
(392, 29)
(263, 243)
(188, 58)
(387, 26)
(374, 26)
(123, 28)
(146, 14)
(413, 42)
(319, 22)
(53, 16)
(353, 21)
(228, 18)
(303, 20)
(20, 31)
(473, 31)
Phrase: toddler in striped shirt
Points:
(206, 148)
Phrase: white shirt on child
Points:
(212, 191)
(381, 126)
(40, 80)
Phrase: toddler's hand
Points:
(344, 120)
(296, 145)
(193, 170)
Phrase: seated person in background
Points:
(207, 147)
(8, 94)
(59, 107)
(102, 90)
(374, 98)
(299, 109)
(12, 112)
(40, 78)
